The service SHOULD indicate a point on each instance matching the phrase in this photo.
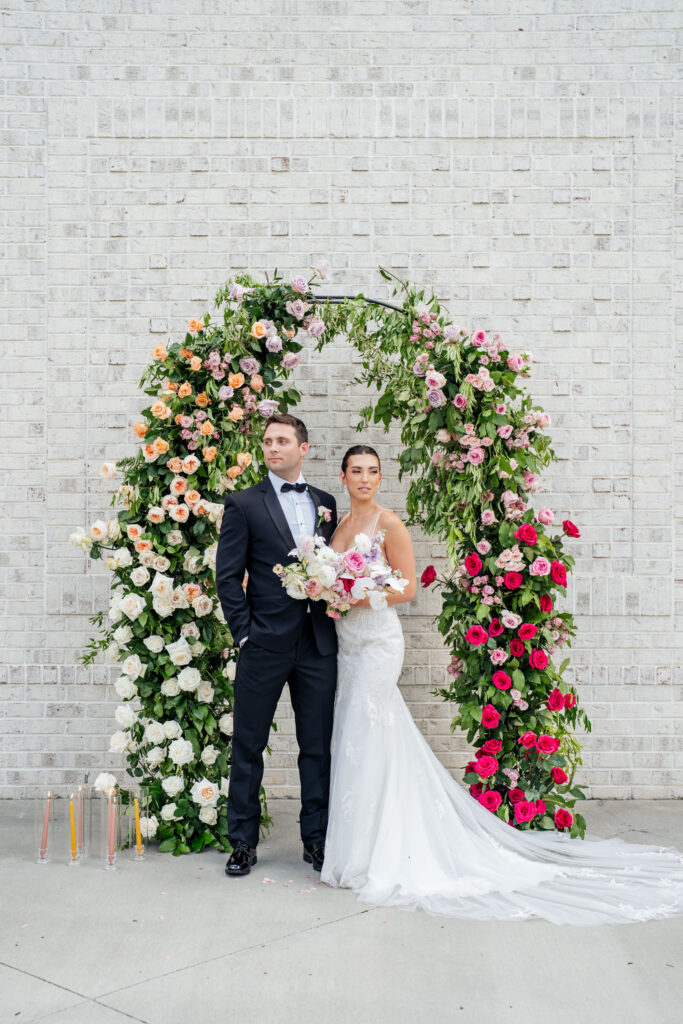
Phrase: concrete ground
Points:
(173, 941)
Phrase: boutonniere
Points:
(324, 515)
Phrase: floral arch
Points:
(473, 446)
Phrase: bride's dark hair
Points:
(358, 449)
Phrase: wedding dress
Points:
(402, 832)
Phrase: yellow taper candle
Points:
(74, 848)
(138, 837)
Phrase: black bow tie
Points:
(299, 488)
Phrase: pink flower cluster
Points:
(481, 380)
(515, 507)
(425, 329)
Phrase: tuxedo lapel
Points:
(274, 508)
(321, 528)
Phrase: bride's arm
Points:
(398, 548)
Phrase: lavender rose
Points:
(299, 284)
(249, 365)
(274, 344)
(267, 407)
(290, 360)
(435, 397)
(298, 308)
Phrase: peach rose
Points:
(160, 353)
(180, 513)
(258, 330)
(160, 410)
(175, 464)
(234, 472)
(206, 427)
(186, 353)
(133, 531)
(244, 459)
(256, 382)
(235, 380)
(178, 485)
(167, 501)
(178, 418)
(143, 545)
(195, 325)
(202, 400)
(170, 385)
(191, 590)
(141, 429)
(195, 363)
(236, 413)
(191, 464)
(201, 508)
(210, 453)
(184, 390)
(290, 334)
(160, 445)
(150, 453)
(192, 497)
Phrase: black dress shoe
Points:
(315, 855)
(241, 860)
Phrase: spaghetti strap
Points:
(337, 526)
(372, 531)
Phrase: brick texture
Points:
(521, 163)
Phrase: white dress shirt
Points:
(298, 509)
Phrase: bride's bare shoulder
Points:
(390, 521)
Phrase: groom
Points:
(280, 639)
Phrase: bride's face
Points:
(362, 477)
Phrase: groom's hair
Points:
(290, 421)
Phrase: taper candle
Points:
(46, 822)
(138, 837)
(74, 845)
(111, 828)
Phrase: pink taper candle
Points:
(46, 822)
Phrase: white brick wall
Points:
(519, 162)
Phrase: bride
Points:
(403, 832)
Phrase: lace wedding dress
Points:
(402, 832)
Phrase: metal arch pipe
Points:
(336, 299)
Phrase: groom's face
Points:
(282, 452)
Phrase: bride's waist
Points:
(368, 619)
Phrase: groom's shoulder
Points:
(326, 496)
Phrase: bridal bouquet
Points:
(339, 578)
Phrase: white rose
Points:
(190, 631)
(326, 575)
(125, 716)
(146, 558)
(205, 692)
(192, 562)
(170, 687)
(230, 670)
(172, 730)
(173, 785)
(209, 815)
(224, 786)
(163, 607)
(115, 613)
(296, 589)
(119, 742)
(139, 576)
(105, 780)
(168, 812)
(154, 733)
(362, 543)
(98, 530)
(203, 605)
(154, 643)
(209, 754)
(132, 605)
(226, 724)
(178, 599)
(125, 687)
(123, 558)
(149, 826)
(80, 539)
(210, 556)
(162, 586)
(179, 652)
(218, 613)
(133, 667)
(161, 563)
(189, 679)
(197, 649)
(108, 470)
(204, 793)
(123, 634)
(155, 756)
(174, 538)
(181, 752)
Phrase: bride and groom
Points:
(379, 813)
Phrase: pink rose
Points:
(486, 766)
(315, 327)
(249, 365)
(434, 379)
(538, 659)
(488, 517)
(299, 284)
(515, 362)
(491, 800)
(539, 567)
(459, 401)
(475, 456)
(525, 810)
(498, 656)
(313, 588)
(298, 308)
(476, 635)
(505, 431)
(354, 562)
(528, 740)
(267, 407)
(490, 717)
(545, 516)
(483, 547)
(502, 680)
(547, 744)
(555, 700)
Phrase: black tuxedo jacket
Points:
(254, 537)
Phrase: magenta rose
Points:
(290, 360)
(476, 790)
(570, 529)
(555, 700)
(546, 602)
(513, 580)
(526, 534)
(525, 810)
(559, 776)
(492, 747)
(527, 631)
(476, 635)
(495, 627)
(528, 740)
(473, 564)
(563, 818)
(516, 648)
(428, 576)
(486, 766)
(558, 572)
(491, 800)
(540, 807)
(354, 562)
(502, 680)
(547, 744)
(539, 567)
(538, 659)
(515, 795)
(569, 700)
(299, 284)
(490, 717)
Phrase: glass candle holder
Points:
(43, 825)
(83, 814)
(134, 803)
(110, 826)
(71, 821)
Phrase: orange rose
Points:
(141, 429)
(210, 454)
(160, 410)
(290, 334)
(203, 400)
(257, 331)
(234, 472)
(195, 363)
(177, 418)
(142, 545)
(201, 508)
(170, 385)
(256, 382)
(160, 353)
(150, 452)
(206, 427)
(160, 445)
(236, 413)
(186, 353)
(195, 325)
(175, 464)
(192, 497)
(235, 380)
(191, 591)
(244, 459)
(184, 390)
